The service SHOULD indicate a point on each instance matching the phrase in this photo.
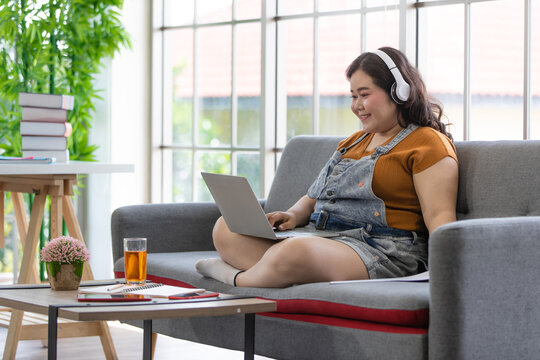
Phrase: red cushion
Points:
(336, 314)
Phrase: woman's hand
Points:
(297, 215)
(282, 220)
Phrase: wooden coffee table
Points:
(64, 304)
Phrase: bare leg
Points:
(240, 251)
(267, 263)
(304, 260)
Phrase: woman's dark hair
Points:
(420, 109)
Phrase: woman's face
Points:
(377, 112)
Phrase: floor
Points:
(128, 342)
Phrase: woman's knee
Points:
(220, 233)
(292, 256)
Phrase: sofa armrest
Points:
(484, 286)
(168, 227)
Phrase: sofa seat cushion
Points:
(383, 306)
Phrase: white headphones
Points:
(400, 89)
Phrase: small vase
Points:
(64, 276)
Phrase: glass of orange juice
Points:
(135, 260)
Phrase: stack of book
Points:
(44, 126)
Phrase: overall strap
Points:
(344, 150)
(380, 150)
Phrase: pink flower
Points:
(65, 249)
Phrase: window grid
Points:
(527, 95)
(195, 148)
(527, 68)
(233, 149)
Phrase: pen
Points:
(172, 297)
(117, 286)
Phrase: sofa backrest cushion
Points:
(496, 178)
(302, 159)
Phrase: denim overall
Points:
(346, 203)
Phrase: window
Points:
(478, 58)
(236, 79)
(211, 84)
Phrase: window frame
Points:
(270, 142)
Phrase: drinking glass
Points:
(135, 260)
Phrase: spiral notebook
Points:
(152, 290)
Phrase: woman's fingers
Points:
(275, 217)
(281, 220)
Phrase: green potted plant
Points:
(64, 259)
(56, 47)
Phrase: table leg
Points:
(147, 340)
(53, 332)
(74, 230)
(2, 219)
(14, 332)
(249, 337)
(27, 271)
(31, 242)
(56, 216)
(22, 227)
(28, 235)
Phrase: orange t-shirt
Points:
(393, 173)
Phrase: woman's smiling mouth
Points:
(363, 116)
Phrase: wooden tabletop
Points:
(38, 300)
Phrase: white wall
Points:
(121, 128)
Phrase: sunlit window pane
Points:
(180, 51)
(289, 7)
(248, 165)
(390, 4)
(210, 161)
(333, 5)
(209, 11)
(248, 83)
(496, 70)
(297, 75)
(442, 66)
(214, 85)
(182, 174)
(197, 81)
(178, 12)
(248, 9)
(382, 29)
(535, 68)
(337, 35)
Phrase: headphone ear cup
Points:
(394, 95)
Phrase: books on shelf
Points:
(46, 128)
(60, 155)
(152, 290)
(44, 143)
(46, 100)
(26, 160)
(43, 114)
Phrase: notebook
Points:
(243, 212)
(151, 290)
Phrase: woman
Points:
(384, 190)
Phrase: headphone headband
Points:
(400, 89)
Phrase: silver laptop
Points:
(243, 212)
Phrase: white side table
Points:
(57, 181)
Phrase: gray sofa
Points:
(480, 303)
